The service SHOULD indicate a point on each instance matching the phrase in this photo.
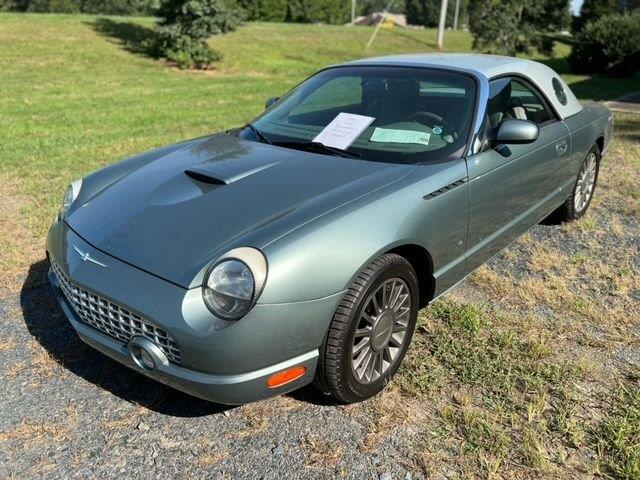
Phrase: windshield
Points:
(419, 115)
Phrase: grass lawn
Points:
(527, 371)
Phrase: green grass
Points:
(78, 93)
(511, 396)
(618, 437)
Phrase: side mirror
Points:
(270, 101)
(515, 131)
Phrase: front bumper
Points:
(220, 362)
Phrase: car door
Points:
(512, 187)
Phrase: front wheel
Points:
(578, 202)
(370, 331)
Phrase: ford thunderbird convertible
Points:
(299, 248)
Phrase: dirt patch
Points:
(20, 247)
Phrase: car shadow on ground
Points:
(48, 325)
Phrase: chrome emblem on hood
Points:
(86, 257)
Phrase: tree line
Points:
(606, 38)
(419, 12)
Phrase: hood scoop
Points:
(173, 215)
(205, 176)
(237, 161)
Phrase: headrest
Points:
(403, 89)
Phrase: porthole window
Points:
(559, 89)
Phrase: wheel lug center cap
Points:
(382, 330)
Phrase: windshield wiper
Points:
(318, 148)
(258, 134)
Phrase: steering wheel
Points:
(430, 120)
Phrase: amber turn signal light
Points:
(286, 376)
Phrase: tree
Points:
(513, 26)
(186, 25)
(325, 11)
(118, 7)
(427, 12)
(265, 10)
(109, 7)
(593, 10)
(423, 12)
(53, 6)
(365, 7)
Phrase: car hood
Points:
(171, 216)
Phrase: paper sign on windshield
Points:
(343, 130)
(389, 135)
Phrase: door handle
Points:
(561, 147)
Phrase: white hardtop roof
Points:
(488, 66)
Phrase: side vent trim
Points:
(446, 188)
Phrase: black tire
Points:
(335, 374)
(570, 211)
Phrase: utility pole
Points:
(441, 24)
(353, 12)
(456, 14)
(382, 19)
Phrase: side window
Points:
(559, 89)
(513, 98)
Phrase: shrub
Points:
(186, 25)
(186, 52)
(610, 44)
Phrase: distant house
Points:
(388, 19)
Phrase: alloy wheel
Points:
(381, 330)
(586, 182)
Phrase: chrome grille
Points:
(112, 319)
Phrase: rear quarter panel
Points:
(593, 122)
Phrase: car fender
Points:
(323, 257)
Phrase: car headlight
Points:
(234, 282)
(70, 196)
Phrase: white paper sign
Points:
(343, 130)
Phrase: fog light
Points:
(286, 376)
(142, 358)
(146, 354)
(146, 359)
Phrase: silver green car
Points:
(300, 247)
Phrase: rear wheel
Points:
(578, 202)
(370, 331)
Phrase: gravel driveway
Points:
(570, 293)
(70, 411)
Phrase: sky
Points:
(575, 6)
